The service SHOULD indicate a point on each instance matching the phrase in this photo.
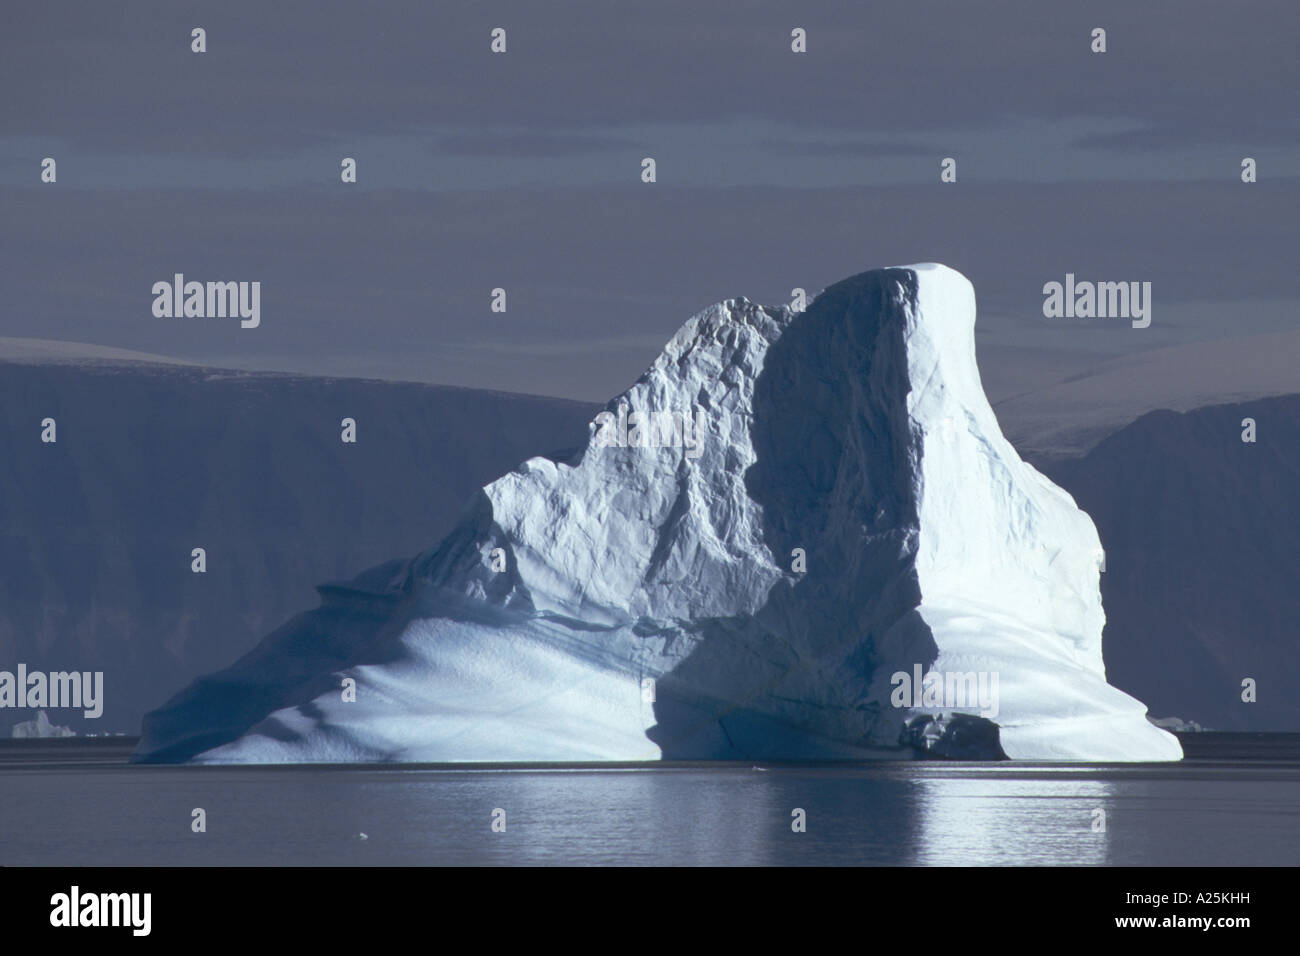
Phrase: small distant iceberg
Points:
(40, 726)
(1177, 725)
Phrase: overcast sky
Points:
(522, 170)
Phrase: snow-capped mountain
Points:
(785, 513)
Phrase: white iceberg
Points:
(40, 726)
(849, 510)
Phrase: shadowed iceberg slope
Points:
(848, 510)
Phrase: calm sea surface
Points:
(1234, 801)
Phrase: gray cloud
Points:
(1282, 133)
(776, 170)
(398, 282)
(281, 77)
(530, 143)
(850, 148)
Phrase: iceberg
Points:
(40, 726)
(819, 502)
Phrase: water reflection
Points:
(1013, 820)
(883, 814)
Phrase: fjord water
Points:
(1234, 801)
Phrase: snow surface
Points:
(857, 431)
(49, 351)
